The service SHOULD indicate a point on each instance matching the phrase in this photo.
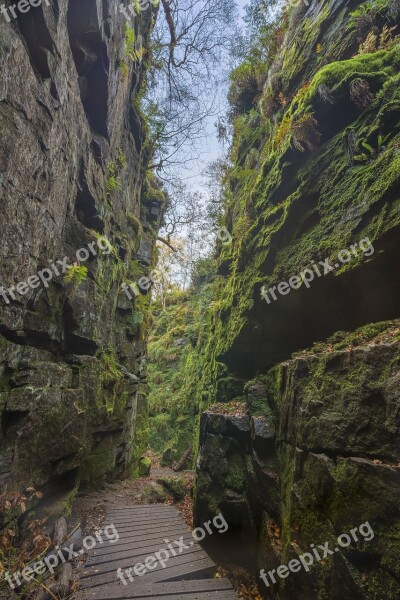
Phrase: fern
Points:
(112, 184)
(382, 140)
(363, 157)
(75, 275)
(368, 147)
(130, 42)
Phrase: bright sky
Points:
(210, 149)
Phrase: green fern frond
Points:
(75, 275)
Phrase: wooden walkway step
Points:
(143, 531)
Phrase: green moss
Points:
(130, 38)
(144, 466)
(236, 477)
(383, 330)
(75, 275)
(175, 486)
(141, 438)
(154, 494)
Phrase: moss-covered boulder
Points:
(153, 493)
(176, 486)
(144, 466)
(325, 460)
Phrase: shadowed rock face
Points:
(72, 360)
(315, 452)
(323, 459)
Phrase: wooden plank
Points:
(217, 595)
(145, 517)
(147, 590)
(130, 552)
(126, 563)
(141, 508)
(175, 562)
(138, 525)
(142, 530)
(142, 515)
(151, 525)
(134, 541)
(132, 538)
(197, 569)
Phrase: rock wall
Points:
(313, 454)
(73, 158)
(300, 448)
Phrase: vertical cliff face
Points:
(301, 449)
(73, 161)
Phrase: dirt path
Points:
(90, 507)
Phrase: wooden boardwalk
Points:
(142, 532)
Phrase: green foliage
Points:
(244, 88)
(272, 209)
(144, 466)
(366, 13)
(154, 494)
(371, 152)
(204, 271)
(174, 369)
(175, 486)
(75, 275)
(136, 225)
(153, 190)
(112, 182)
(130, 41)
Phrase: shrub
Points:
(244, 89)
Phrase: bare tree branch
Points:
(166, 242)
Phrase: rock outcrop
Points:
(314, 455)
(73, 161)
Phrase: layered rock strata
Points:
(73, 160)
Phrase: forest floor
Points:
(91, 508)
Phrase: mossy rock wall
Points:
(73, 356)
(323, 461)
(314, 172)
